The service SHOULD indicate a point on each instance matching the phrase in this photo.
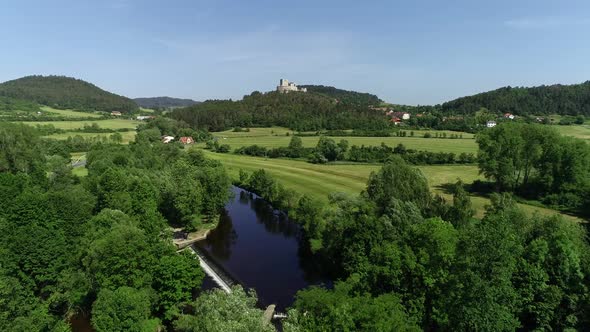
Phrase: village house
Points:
(116, 113)
(145, 117)
(187, 140)
(491, 124)
(396, 120)
(509, 116)
(398, 115)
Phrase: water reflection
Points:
(222, 238)
(261, 247)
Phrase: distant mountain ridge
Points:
(164, 102)
(545, 99)
(66, 93)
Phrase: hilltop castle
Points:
(286, 86)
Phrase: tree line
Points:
(536, 162)
(328, 150)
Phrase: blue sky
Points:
(412, 52)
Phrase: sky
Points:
(406, 52)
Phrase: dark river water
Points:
(260, 248)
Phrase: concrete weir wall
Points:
(211, 271)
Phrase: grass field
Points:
(276, 137)
(70, 113)
(108, 124)
(128, 136)
(319, 181)
(578, 131)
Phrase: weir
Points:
(213, 272)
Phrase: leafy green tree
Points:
(124, 309)
(188, 195)
(483, 296)
(397, 180)
(19, 149)
(216, 311)
(328, 148)
(295, 147)
(318, 309)
(175, 279)
(461, 212)
(122, 257)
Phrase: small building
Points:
(509, 116)
(144, 117)
(491, 124)
(187, 140)
(167, 139)
(116, 113)
(396, 120)
(402, 115)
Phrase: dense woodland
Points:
(402, 258)
(299, 111)
(542, 100)
(164, 102)
(407, 260)
(11, 105)
(344, 96)
(66, 93)
(99, 245)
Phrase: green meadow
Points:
(319, 181)
(70, 113)
(578, 131)
(72, 125)
(277, 137)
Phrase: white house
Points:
(491, 124)
(509, 116)
(167, 139)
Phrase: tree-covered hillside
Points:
(164, 102)
(344, 96)
(299, 111)
(555, 99)
(65, 93)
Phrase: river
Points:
(261, 249)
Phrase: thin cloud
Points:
(268, 47)
(546, 22)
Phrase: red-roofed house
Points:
(187, 140)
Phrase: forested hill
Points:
(298, 111)
(66, 93)
(344, 96)
(164, 102)
(553, 99)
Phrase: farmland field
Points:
(276, 137)
(107, 124)
(70, 113)
(578, 131)
(319, 181)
